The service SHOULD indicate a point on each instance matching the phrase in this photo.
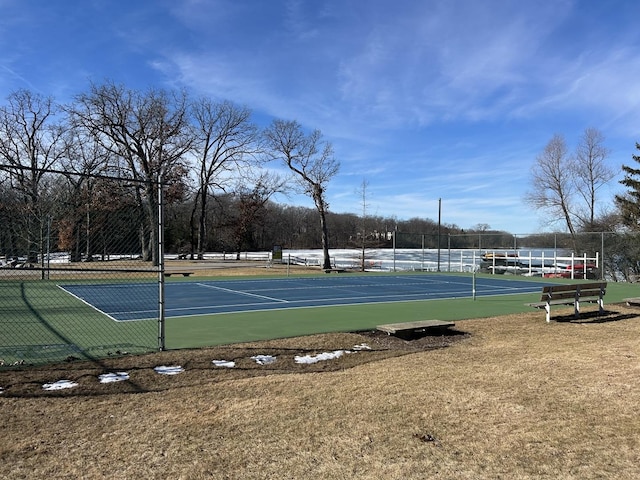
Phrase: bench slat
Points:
(569, 287)
(564, 302)
(583, 294)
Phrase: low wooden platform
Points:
(632, 302)
(418, 326)
(184, 274)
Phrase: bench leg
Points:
(601, 305)
(547, 309)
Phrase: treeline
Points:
(295, 227)
(86, 177)
(99, 165)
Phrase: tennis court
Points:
(209, 297)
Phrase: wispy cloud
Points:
(425, 100)
(26, 83)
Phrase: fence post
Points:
(601, 263)
(161, 299)
(394, 248)
(449, 253)
(573, 264)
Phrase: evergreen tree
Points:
(629, 203)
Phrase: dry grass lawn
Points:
(514, 398)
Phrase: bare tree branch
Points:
(311, 160)
(552, 186)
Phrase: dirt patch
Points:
(310, 354)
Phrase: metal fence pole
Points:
(449, 253)
(161, 299)
(394, 248)
(601, 264)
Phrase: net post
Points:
(473, 279)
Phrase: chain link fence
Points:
(82, 263)
(78, 276)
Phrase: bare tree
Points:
(311, 160)
(552, 187)
(252, 196)
(148, 131)
(225, 140)
(31, 143)
(590, 172)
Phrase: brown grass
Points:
(514, 398)
(140, 269)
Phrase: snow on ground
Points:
(59, 385)
(113, 377)
(176, 369)
(264, 359)
(224, 363)
(321, 357)
(172, 370)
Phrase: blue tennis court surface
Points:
(126, 302)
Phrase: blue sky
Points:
(422, 99)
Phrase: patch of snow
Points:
(173, 370)
(362, 346)
(1, 390)
(113, 377)
(224, 363)
(264, 359)
(309, 359)
(59, 385)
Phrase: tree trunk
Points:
(325, 240)
(202, 224)
(193, 237)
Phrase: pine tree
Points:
(629, 203)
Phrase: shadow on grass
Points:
(594, 317)
(71, 345)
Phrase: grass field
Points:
(509, 396)
(189, 332)
(515, 398)
(40, 321)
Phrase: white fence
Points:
(548, 263)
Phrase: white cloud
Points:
(422, 99)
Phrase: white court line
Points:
(242, 293)
(87, 303)
(348, 304)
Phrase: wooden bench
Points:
(414, 327)
(184, 274)
(572, 295)
(335, 270)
